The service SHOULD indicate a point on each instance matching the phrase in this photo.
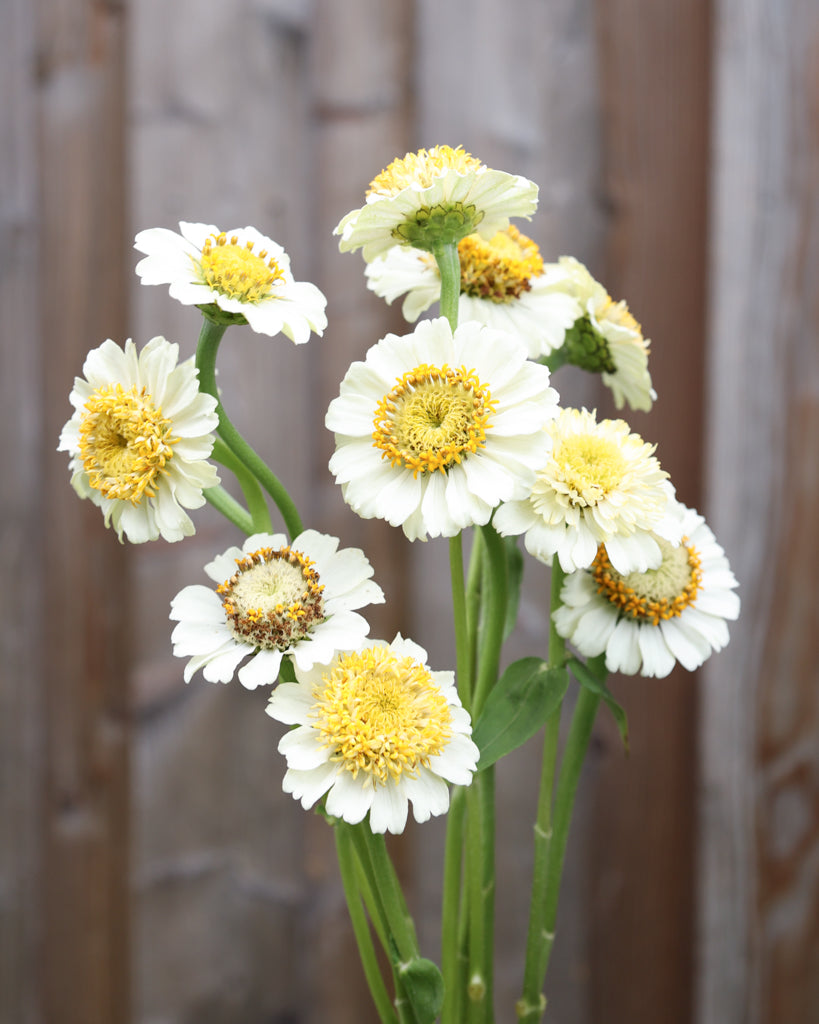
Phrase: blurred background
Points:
(151, 870)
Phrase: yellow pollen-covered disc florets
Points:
(432, 418)
(498, 269)
(589, 467)
(124, 443)
(236, 271)
(273, 598)
(381, 713)
(662, 593)
(421, 169)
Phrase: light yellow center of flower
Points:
(421, 168)
(273, 599)
(236, 271)
(381, 713)
(661, 593)
(499, 269)
(618, 313)
(432, 418)
(589, 467)
(125, 443)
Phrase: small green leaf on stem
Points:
(424, 987)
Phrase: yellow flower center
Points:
(500, 268)
(421, 168)
(618, 313)
(125, 443)
(432, 418)
(381, 713)
(588, 468)
(273, 599)
(236, 271)
(661, 593)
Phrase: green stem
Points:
(449, 266)
(479, 945)
(256, 504)
(462, 643)
(230, 508)
(209, 339)
(474, 594)
(453, 858)
(347, 866)
(494, 618)
(388, 889)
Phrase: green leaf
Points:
(424, 985)
(523, 698)
(592, 676)
(514, 579)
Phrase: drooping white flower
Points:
(433, 430)
(599, 484)
(377, 730)
(434, 195)
(140, 438)
(274, 600)
(242, 272)
(503, 285)
(606, 338)
(645, 622)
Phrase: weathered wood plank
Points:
(80, 173)
(759, 900)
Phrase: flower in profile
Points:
(503, 285)
(140, 438)
(431, 197)
(273, 600)
(433, 430)
(238, 276)
(605, 339)
(599, 484)
(645, 622)
(377, 730)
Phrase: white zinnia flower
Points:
(606, 339)
(600, 484)
(274, 600)
(241, 271)
(645, 622)
(377, 729)
(139, 439)
(440, 194)
(503, 285)
(433, 430)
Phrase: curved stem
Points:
(495, 617)
(230, 508)
(256, 504)
(210, 337)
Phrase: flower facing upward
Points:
(140, 438)
(241, 273)
(273, 600)
(606, 338)
(503, 284)
(434, 196)
(645, 622)
(433, 430)
(376, 731)
(600, 484)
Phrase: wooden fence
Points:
(151, 870)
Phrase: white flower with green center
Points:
(241, 273)
(606, 338)
(140, 438)
(432, 196)
(600, 484)
(433, 430)
(646, 622)
(273, 600)
(503, 285)
(377, 730)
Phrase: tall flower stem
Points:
(494, 617)
(256, 504)
(449, 267)
(210, 337)
(230, 508)
(453, 857)
(462, 639)
(552, 825)
(347, 866)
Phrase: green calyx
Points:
(439, 225)
(217, 315)
(587, 348)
